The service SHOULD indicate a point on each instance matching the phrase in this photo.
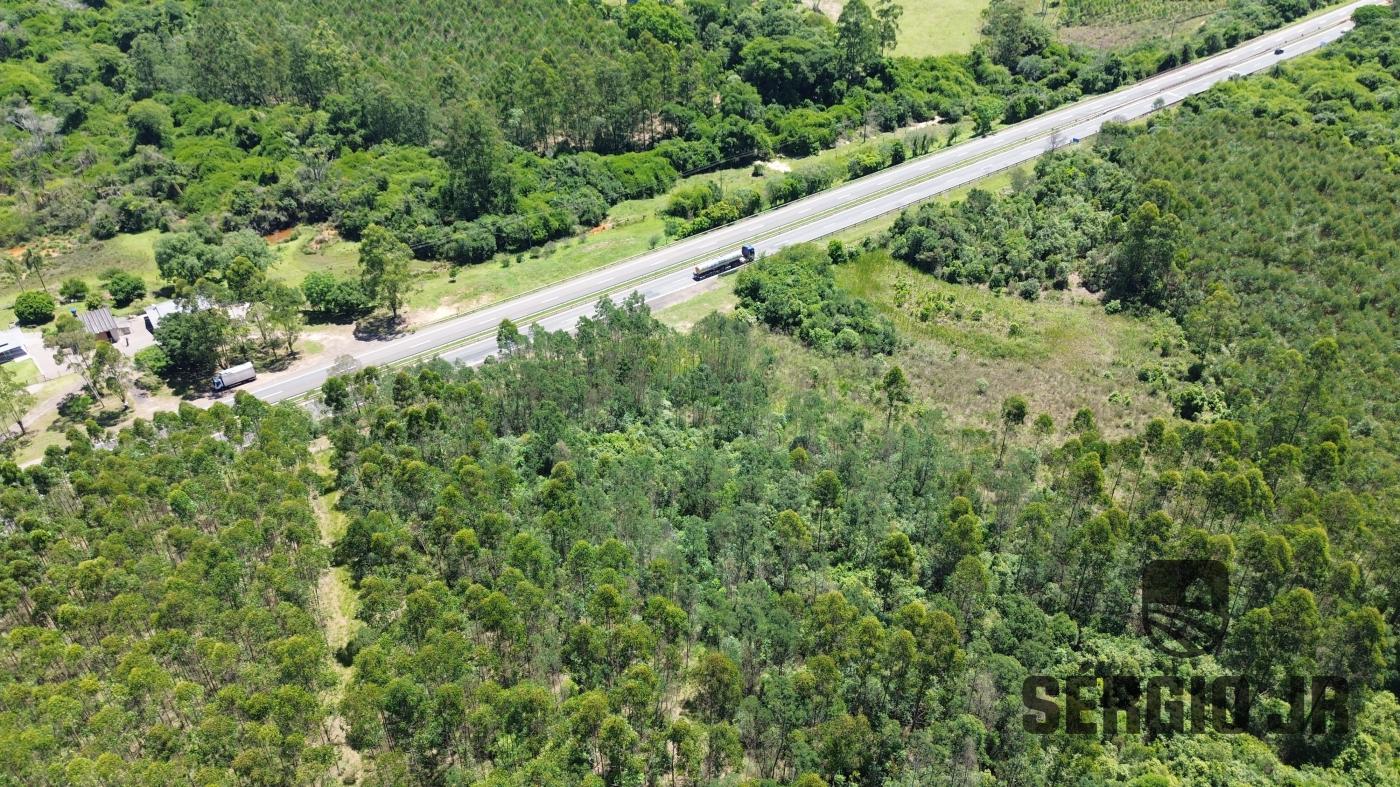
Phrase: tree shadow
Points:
(276, 363)
(187, 385)
(378, 328)
(78, 408)
(107, 417)
(314, 317)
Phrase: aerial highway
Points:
(666, 272)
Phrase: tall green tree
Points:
(478, 161)
(1144, 268)
(194, 341)
(15, 398)
(34, 263)
(112, 371)
(384, 268)
(860, 37)
(75, 348)
(895, 388)
(276, 314)
(1013, 416)
(888, 14)
(1010, 33)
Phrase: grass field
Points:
(298, 256)
(682, 316)
(928, 27)
(87, 261)
(1061, 352)
(1110, 24)
(46, 429)
(939, 27)
(25, 371)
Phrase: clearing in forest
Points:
(928, 27)
(972, 348)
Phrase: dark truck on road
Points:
(729, 263)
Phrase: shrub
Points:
(150, 122)
(75, 405)
(151, 359)
(334, 297)
(795, 291)
(470, 243)
(642, 174)
(72, 290)
(687, 202)
(124, 287)
(34, 307)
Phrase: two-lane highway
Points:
(665, 273)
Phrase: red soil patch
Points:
(278, 236)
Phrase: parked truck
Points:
(234, 375)
(723, 264)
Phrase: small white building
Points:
(158, 311)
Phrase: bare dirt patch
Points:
(278, 236)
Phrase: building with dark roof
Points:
(101, 323)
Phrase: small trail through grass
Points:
(338, 603)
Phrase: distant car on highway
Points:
(1278, 51)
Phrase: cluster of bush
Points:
(335, 297)
(36, 307)
(795, 291)
(1025, 241)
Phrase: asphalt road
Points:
(666, 272)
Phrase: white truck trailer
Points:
(234, 375)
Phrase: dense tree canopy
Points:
(639, 569)
(156, 602)
(469, 128)
(629, 555)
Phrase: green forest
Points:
(633, 555)
(469, 128)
